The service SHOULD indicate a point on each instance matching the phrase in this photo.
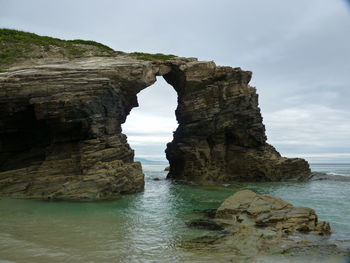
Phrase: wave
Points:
(341, 174)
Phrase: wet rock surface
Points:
(204, 224)
(61, 136)
(252, 224)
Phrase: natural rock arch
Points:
(61, 134)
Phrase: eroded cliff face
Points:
(61, 137)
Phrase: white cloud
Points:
(146, 123)
(149, 140)
(309, 128)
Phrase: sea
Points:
(151, 226)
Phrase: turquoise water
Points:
(149, 226)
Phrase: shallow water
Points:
(149, 226)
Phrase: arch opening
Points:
(150, 125)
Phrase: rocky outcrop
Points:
(253, 224)
(248, 209)
(61, 137)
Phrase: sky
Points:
(299, 52)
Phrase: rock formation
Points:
(61, 137)
(254, 224)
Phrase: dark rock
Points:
(204, 224)
(156, 179)
(202, 242)
(210, 213)
(167, 168)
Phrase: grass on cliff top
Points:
(152, 57)
(19, 45)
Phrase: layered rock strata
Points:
(61, 136)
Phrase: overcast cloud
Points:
(299, 52)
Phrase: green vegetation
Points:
(152, 57)
(19, 45)
(91, 43)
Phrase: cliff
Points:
(61, 116)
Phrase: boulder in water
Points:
(252, 224)
(246, 208)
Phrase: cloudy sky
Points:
(299, 52)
